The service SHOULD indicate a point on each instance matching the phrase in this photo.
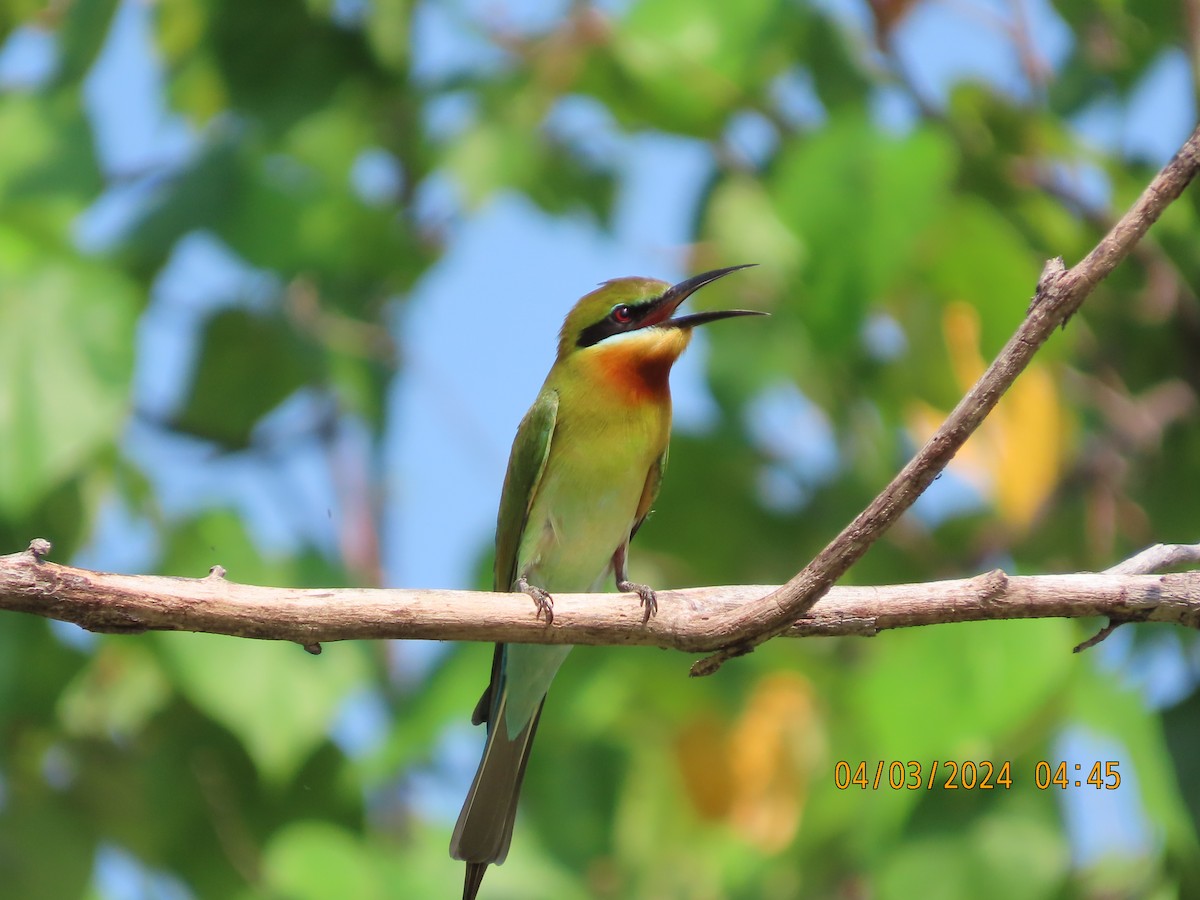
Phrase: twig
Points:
(1152, 559)
(1059, 294)
(1113, 624)
(1157, 558)
(104, 602)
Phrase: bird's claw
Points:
(541, 597)
(649, 602)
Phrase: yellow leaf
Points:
(755, 774)
(970, 463)
(1015, 456)
(702, 752)
(774, 748)
(1031, 448)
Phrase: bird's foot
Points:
(649, 600)
(545, 603)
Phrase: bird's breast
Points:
(588, 498)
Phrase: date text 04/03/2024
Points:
(984, 775)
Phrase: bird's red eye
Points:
(622, 315)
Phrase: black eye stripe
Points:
(613, 323)
(594, 334)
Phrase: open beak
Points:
(674, 296)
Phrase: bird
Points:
(584, 470)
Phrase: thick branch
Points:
(104, 602)
(1060, 292)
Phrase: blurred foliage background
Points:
(211, 347)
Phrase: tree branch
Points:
(127, 604)
(730, 620)
(1060, 292)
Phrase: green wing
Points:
(526, 463)
(650, 491)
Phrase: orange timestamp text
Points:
(915, 775)
(1103, 776)
(970, 775)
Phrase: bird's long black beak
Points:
(676, 294)
(705, 317)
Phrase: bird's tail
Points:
(485, 825)
(474, 879)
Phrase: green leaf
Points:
(277, 699)
(978, 861)
(388, 31)
(689, 65)
(121, 688)
(318, 860)
(47, 848)
(974, 256)
(82, 35)
(279, 60)
(249, 364)
(960, 665)
(858, 201)
(66, 357)
(290, 207)
(17, 12)
(198, 197)
(742, 218)
(509, 152)
(48, 176)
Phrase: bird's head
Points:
(631, 319)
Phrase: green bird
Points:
(585, 467)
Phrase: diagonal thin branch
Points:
(131, 604)
(1060, 291)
